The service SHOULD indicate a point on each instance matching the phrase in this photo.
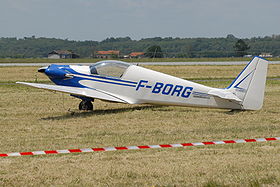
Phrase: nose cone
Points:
(53, 71)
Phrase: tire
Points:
(85, 105)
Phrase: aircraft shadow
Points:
(233, 112)
(80, 114)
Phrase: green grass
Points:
(33, 119)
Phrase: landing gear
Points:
(85, 105)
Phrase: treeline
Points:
(32, 47)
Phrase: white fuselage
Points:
(152, 87)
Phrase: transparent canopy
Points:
(111, 68)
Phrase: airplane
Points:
(122, 82)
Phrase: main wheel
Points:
(85, 105)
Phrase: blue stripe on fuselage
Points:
(116, 83)
(99, 76)
(75, 80)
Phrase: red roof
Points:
(112, 52)
(136, 54)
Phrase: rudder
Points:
(249, 85)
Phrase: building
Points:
(107, 54)
(136, 55)
(265, 55)
(62, 54)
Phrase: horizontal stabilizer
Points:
(92, 93)
(224, 94)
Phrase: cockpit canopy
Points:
(111, 68)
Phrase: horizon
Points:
(37, 37)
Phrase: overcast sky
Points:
(99, 19)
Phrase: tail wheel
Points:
(85, 105)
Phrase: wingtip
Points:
(24, 83)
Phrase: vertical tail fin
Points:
(249, 85)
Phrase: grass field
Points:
(33, 119)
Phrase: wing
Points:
(93, 93)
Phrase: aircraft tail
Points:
(249, 85)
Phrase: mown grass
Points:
(33, 119)
(92, 60)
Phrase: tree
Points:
(231, 36)
(154, 52)
(240, 48)
(34, 47)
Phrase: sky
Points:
(99, 19)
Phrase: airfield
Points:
(33, 119)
